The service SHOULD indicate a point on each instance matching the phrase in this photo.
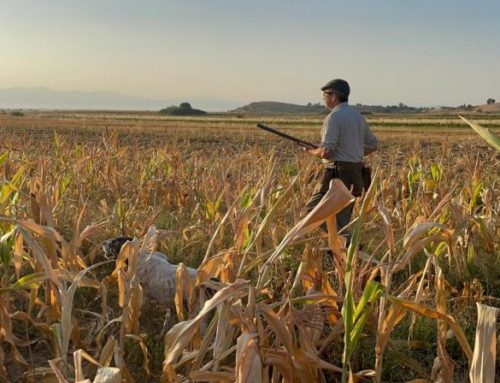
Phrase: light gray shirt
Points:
(346, 133)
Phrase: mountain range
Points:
(44, 98)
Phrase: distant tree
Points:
(490, 101)
(309, 104)
(184, 109)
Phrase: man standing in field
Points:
(345, 140)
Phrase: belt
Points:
(347, 164)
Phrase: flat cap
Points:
(338, 85)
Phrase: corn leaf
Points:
(30, 281)
(248, 362)
(337, 197)
(434, 314)
(485, 134)
(483, 361)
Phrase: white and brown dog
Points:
(156, 275)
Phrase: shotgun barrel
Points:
(288, 137)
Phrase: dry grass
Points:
(225, 196)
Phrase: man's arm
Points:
(320, 152)
(371, 142)
(368, 150)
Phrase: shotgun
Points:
(284, 135)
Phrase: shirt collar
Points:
(342, 105)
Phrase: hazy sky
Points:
(426, 52)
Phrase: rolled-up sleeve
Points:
(371, 141)
(331, 132)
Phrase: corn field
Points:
(413, 298)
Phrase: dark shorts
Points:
(351, 175)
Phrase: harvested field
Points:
(224, 196)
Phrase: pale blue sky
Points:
(418, 52)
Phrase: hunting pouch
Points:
(366, 172)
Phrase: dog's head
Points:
(112, 247)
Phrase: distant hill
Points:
(493, 108)
(274, 107)
(389, 109)
(488, 108)
(277, 108)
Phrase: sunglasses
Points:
(327, 94)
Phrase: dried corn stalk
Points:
(483, 360)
